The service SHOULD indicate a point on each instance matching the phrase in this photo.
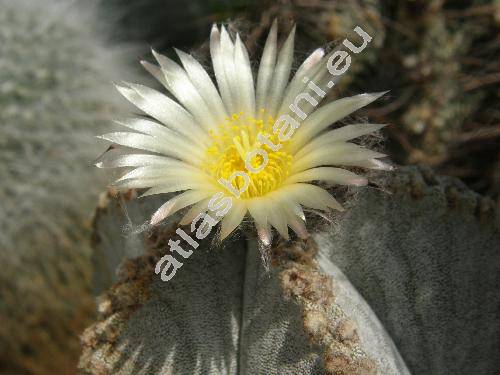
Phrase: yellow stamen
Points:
(231, 143)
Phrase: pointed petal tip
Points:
(372, 95)
(158, 56)
(181, 53)
(163, 212)
(158, 217)
(185, 221)
(320, 52)
(337, 206)
(145, 194)
(146, 64)
(360, 181)
(119, 87)
(273, 32)
(129, 84)
(223, 235)
(304, 235)
(214, 33)
(380, 93)
(265, 236)
(379, 164)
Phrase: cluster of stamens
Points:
(231, 143)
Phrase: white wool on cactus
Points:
(261, 146)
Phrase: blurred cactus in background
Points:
(56, 70)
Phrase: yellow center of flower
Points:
(232, 143)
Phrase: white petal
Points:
(291, 213)
(139, 141)
(333, 175)
(233, 218)
(297, 85)
(293, 207)
(327, 115)
(277, 217)
(220, 74)
(227, 54)
(310, 62)
(136, 160)
(265, 234)
(151, 171)
(171, 187)
(319, 74)
(194, 211)
(149, 143)
(164, 110)
(259, 211)
(177, 203)
(373, 164)
(185, 91)
(146, 126)
(342, 134)
(198, 76)
(334, 154)
(266, 68)
(281, 74)
(156, 72)
(311, 196)
(154, 129)
(245, 77)
(297, 225)
(160, 182)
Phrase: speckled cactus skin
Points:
(55, 95)
(413, 254)
(424, 256)
(222, 313)
(426, 259)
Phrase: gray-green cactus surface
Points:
(221, 313)
(427, 260)
(424, 257)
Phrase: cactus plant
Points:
(55, 94)
(223, 312)
(414, 256)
